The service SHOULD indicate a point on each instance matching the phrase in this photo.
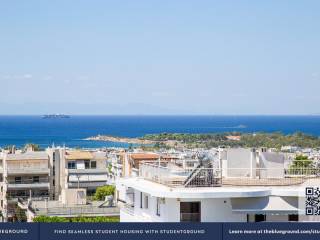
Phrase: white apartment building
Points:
(249, 186)
(83, 169)
(46, 175)
(25, 175)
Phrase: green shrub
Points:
(48, 219)
(101, 192)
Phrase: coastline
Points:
(106, 138)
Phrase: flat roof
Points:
(78, 155)
(160, 190)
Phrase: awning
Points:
(265, 205)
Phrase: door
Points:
(190, 211)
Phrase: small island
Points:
(107, 138)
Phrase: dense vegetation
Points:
(75, 219)
(103, 191)
(303, 165)
(270, 140)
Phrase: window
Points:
(141, 199)
(190, 211)
(93, 164)
(35, 179)
(146, 202)
(86, 164)
(17, 180)
(72, 165)
(53, 156)
(158, 206)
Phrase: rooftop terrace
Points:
(175, 176)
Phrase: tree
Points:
(34, 147)
(10, 148)
(301, 165)
(104, 191)
(302, 161)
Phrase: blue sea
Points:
(19, 130)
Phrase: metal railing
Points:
(27, 169)
(77, 211)
(29, 180)
(178, 177)
(268, 176)
(207, 177)
(87, 170)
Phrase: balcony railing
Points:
(211, 177)
(27, 169)
(28, 180)
(86, 184)
(177, 177)
(77, 211)
(24, 198)
(87, 170)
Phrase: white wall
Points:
(148, 214)
(241, 162)
(273, 164)
(212, 210)
(219, 210)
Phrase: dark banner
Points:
(155, 231)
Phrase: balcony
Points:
(88, 177)
(86, 184)
(27, 170)
(87, 171)
(24, 195)
(41, 183)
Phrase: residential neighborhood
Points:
(166, 185)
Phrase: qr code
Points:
(313, 201)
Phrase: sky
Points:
(159, 57)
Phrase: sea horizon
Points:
(21, 129)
